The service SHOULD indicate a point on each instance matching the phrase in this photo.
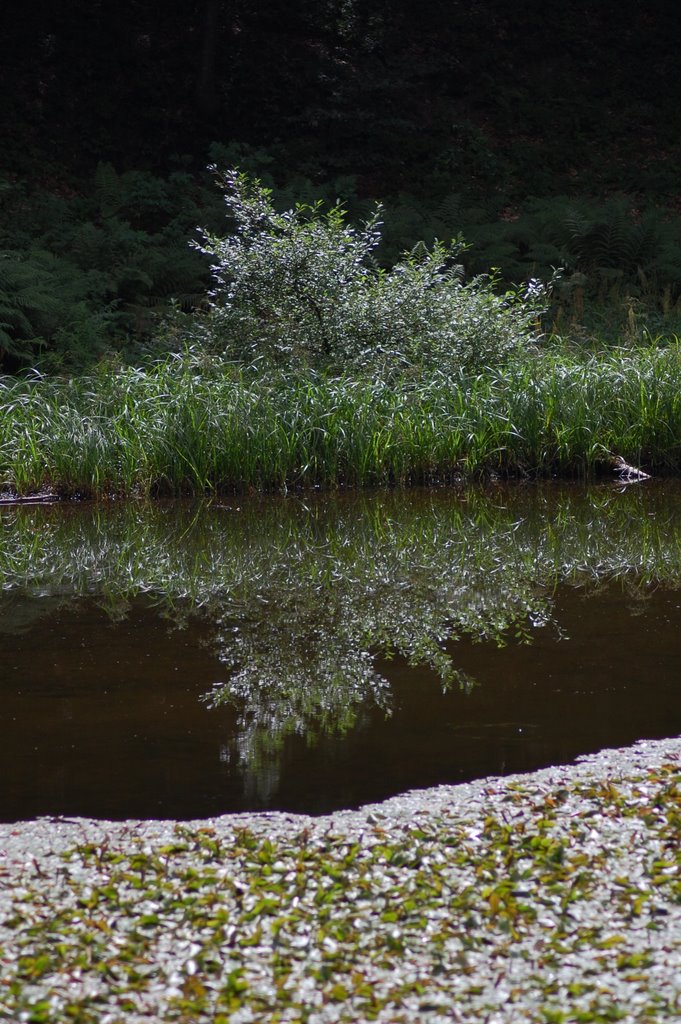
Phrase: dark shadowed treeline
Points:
(372, 89)
(547, 135)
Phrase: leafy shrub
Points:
(303, 287)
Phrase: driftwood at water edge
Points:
(29, 499)
(626, 472)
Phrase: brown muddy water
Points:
(312, 654)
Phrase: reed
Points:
(182, 427)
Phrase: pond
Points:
(320, 652)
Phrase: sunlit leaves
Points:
(301, 288)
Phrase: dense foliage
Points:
(546, 138)
(82, 273)
(302, 287)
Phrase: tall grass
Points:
(185, 428)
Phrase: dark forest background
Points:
(547, 135)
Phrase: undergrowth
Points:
(88, 272)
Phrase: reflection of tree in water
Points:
(287, 681)
(301, 597)
(305, 664)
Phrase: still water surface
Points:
(318, 653)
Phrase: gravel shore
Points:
(548, 897)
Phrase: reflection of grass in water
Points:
(182, 428)
(301, 595)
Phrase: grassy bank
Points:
(182, 427)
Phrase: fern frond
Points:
(108, 189)
(450, 210)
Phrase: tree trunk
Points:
(207, 99)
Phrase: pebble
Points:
(551, 896)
